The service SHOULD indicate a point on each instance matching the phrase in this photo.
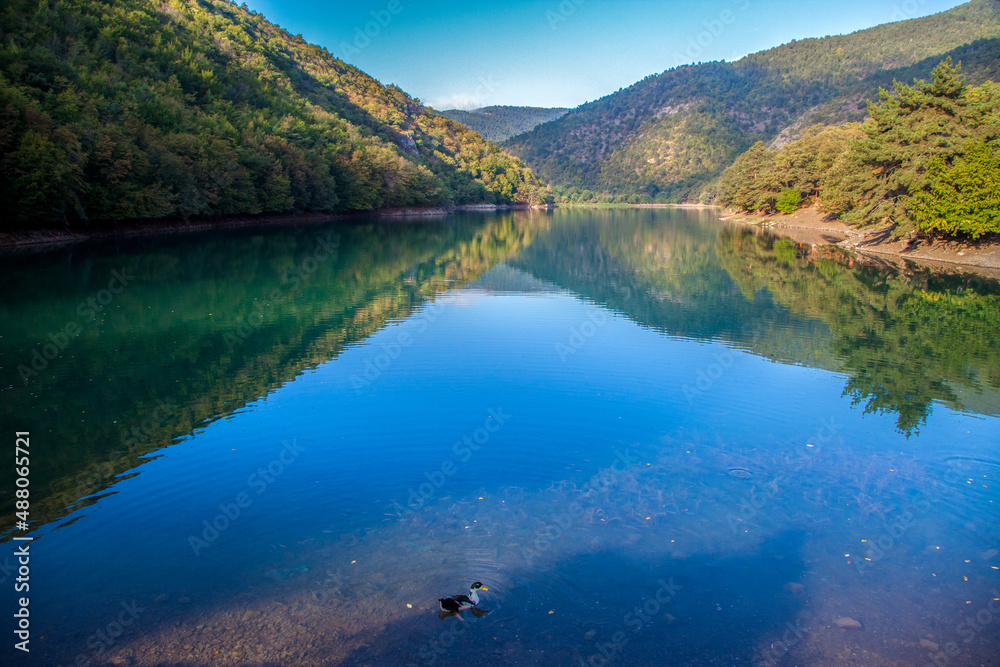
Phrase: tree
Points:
(789, 201)
(910, 131)
(964, 197)
(749, 183)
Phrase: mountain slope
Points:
(670, 135)
(150, 108)
(499, 123)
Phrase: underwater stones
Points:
(848, 623)
(794, 587)
(929, 645)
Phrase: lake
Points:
(655, 437)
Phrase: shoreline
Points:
(811, 227)
(807, 226)
(44, 239)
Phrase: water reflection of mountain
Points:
(660, 269)
(204, 326)
(905, 337)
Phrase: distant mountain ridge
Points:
(499, 123)
(139, 109)
(669, 136)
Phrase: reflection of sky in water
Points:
(605, 482)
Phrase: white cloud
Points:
(465, 101)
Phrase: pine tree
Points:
(964, 197)
(910, 130)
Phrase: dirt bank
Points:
(810, 226)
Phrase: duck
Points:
(456, 604)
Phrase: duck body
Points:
(460, 603)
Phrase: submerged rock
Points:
(929, 645)
(848, 623)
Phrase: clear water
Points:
(656, 438)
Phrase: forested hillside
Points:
(500, 123)
(670, 136)
(156, 108)
(927, 159)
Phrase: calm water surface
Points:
(656, 438)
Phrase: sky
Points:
(558, 53)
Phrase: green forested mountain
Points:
(500, 123)
(145, 109)
(669, 136)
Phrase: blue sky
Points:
(558, 52)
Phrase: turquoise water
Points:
(655, 437)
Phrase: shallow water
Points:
(655, 437)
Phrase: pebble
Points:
(590, 634)
(793, 587)
(929, 645)
(848, 623)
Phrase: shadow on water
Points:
(625, 609)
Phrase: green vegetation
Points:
(789, 201)
(768, 180)
(926, 159)
(882, 321)
(915, 142)
(962, 197)
(500, 123)
(670, 136)
(133, 109)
